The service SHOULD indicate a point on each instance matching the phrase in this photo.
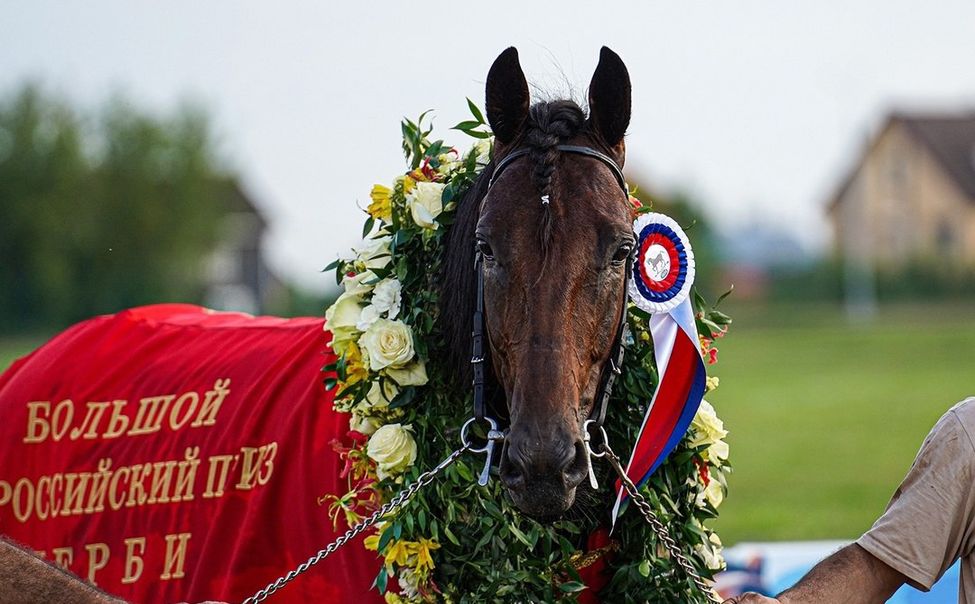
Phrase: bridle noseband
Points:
(613, 365)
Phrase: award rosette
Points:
(660, 284)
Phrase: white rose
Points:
(389, 344)
(378, 396)
(374, 252)
(341, 318)
(414, 374)
(713, 494)
(483, 150)
(711, 552)
(708, 428)
(363, 424)
(392, 448)
(425, 203)
(386, 297)
(357, 285)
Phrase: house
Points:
(237, 276)
(910, 198)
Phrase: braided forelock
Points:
(549, 124)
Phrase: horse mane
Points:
(549, 123)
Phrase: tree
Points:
(101, 214)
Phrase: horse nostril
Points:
(577, 466)
(512, 468)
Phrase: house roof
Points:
(949, 137)
(235, 199)
(952, 141)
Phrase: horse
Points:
(548, 226)
(554, 234)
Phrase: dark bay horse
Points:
(554, 232)
(553, 235)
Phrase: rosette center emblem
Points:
(663, 271)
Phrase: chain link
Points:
(658, 527)
(401, 499)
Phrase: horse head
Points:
(553, 232)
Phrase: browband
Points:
(577, 149)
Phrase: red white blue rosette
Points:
(663, 271)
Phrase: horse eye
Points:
(485, 248)
(622, 253)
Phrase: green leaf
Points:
(450, 536)
(476, 112)
(571, 587)
(468, 125)
(644, 568)
(367, 227)
(519, 535)
(403, 398)
(384, 539)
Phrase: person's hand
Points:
(752, 598)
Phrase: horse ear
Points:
(506, 96)
(609, 99)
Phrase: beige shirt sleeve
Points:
(929, 520)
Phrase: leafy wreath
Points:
(459, 542)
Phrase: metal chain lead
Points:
(398, 501)
(658, 527)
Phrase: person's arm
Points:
(850, 576)
(26, 579)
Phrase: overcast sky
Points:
(756, 108)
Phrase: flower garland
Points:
(458, 542)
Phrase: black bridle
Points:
(611, 370)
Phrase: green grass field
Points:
(825, 419)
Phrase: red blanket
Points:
(170, 453)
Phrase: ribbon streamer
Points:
(660, 284)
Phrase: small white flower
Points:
(409, 583)
(368, 317)
(387, 297)
(426, 203)
(393, 449)
(388, 343)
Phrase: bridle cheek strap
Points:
(613, 367)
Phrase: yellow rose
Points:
(414, 374)
(388, 344)
(425, 203)
(393, 449)
(381, 207)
